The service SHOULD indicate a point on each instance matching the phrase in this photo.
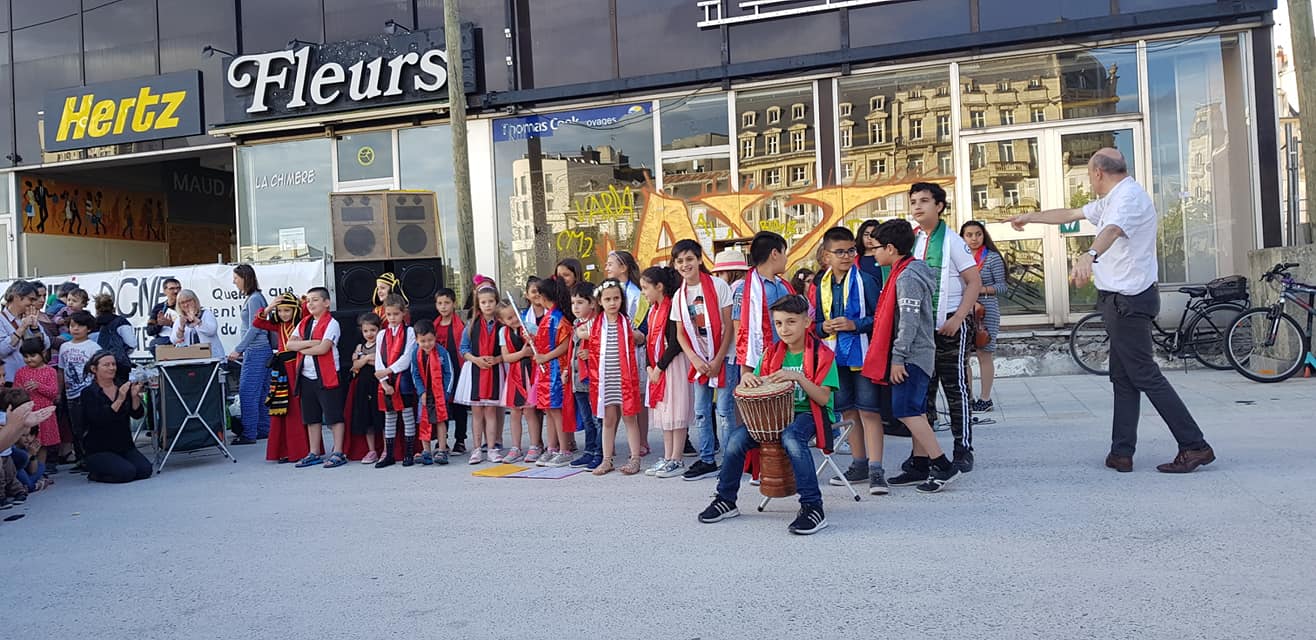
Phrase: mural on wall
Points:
(663, 220)
(54, 207)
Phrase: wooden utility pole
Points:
(461, 166)
(1304, 48)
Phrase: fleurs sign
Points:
(384, 70)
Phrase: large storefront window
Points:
(1201, 161)
(426, 164)
(776, 143)
(1054, 86)
(570, 184)
(893, 129)
(283, 200)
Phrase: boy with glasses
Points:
(843, 318)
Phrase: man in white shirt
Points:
(1123, 262)
(957, 283)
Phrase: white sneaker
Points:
(657, 466)
(495, 456)
(755, 482)
(843, 447)
(562, 459)
(671, 469)
(477, 456)
(548, 457)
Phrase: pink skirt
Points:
(677, 409)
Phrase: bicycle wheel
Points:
(1205, 335)
(1089, 344)
(1266, 347)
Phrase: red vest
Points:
(323, 363)
(431, 374)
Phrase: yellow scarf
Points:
(825, 292)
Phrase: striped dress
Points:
(993, 275)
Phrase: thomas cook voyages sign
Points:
(341, 76)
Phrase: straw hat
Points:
(730, 260)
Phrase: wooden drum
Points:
(767, 410)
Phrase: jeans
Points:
(1133, 372)
(585, 418)
(726, 404)
(253, 387)
(795, 440)
(21, 458)
(701, 435)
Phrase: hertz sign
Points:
(167, 106)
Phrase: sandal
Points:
(632, 466)
(605, 467)
(644, 450)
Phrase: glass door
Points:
(1034, 170)
(1005, 180)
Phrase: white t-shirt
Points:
(331, 333)
(959, 258)
(73, 359)
(1129, 266)
(694, 295)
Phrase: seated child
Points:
(800, 358)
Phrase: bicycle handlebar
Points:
(1280, 270)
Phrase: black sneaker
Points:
(937, 480)
(963, 461)
(877, 485)
(853, 474)
(242, 440)
(810, 521)
(19, 499)
(908, 478)
(718, 511)
(700, 469)
(908, 465)
(982, 406)
(689, 451)
(460, 447)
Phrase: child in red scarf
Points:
(584, 307)
(448, 329)
(519, 372)
(902, 353)
(480, 385)
(667, 394)
(702, 311)
(552, 390)
(614, 376)
(807, 362)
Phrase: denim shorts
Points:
(855, 392)
(910, 398)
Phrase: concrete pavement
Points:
(1040, 541)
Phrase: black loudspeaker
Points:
(191, 381)
(355, 284)
(421, 279)
(351, 336)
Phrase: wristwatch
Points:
(1094, 254)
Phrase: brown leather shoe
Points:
(1122, 464)
(1186, 461)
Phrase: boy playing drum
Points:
(799, 358)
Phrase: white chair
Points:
(828, 462)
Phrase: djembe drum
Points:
(767, 410)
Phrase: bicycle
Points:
(1200, 333)
(1266, 344)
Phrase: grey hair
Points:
(188, 293)
(1110, 163)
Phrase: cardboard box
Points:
(165, 352)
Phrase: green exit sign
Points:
(1070, 227)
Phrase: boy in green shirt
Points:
(799, 358)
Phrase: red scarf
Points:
(486, 345)
(656, 345)
(877, 364)
(520, 377)
(706, 348)
(430, 364)
(624, 349)
(451, 337)
(754, 313)
(818, 359)
(324, 363)
(580, 368)
(393, 347)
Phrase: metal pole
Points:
(461, 174)
(1303, 34)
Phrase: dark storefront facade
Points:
(632, 123)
